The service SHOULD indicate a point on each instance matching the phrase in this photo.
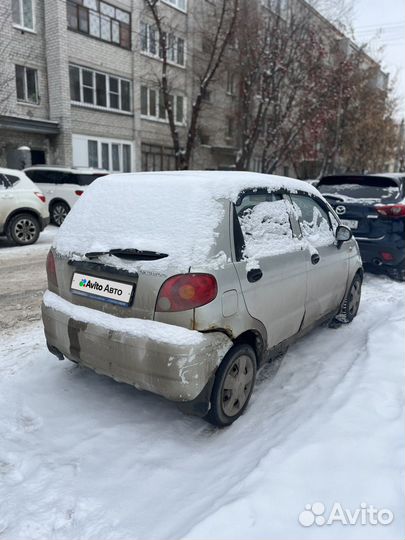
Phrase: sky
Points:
(383, 23)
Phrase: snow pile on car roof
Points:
(176, 213)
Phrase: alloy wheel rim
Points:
(237, 385)
(25, 230)
(59, 214)
(354, 299)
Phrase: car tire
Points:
(351, 303)
(233, 385)
(397, 272)
(23, 229)
(58, 212)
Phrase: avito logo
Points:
(88, 284)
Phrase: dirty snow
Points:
(9, 249)
(83, 457)
(174, 213)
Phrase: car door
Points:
(271, 263)
(6, 200)
(328, 263)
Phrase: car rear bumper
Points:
(173, 362)
(373, 249)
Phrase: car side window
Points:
(3, 182)
(68, 178)
(39, 177)
(12, 179)
(264, 220)
(314, 220)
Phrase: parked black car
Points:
(373, 206)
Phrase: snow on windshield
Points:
(361, 193)
(178, 213)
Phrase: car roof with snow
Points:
(176, 213)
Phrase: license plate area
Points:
(104, 290)
(351, 223)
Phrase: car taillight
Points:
(387, 256)
(79, 192)
(51, 269)
(40, 196)
(186, 291)
(391, 210)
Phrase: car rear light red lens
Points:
(40, 196)
(186, 291)
(391, 210)
(51, 269)
(79, 192)
(387, 256)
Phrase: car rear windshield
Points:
(360, 188)
(86, 179)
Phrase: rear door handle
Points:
(315, 258)
(254, 275)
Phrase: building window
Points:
(230, 83)
(23, 13)
(150, 44)
(101, 153)
(152, 105)
(100, 20)
(179, 4)
(229, 127)
(26, 84)
(99, 89)
(157, 158)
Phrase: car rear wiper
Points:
(131, 254)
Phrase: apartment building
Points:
(79, 83)
(79, 86)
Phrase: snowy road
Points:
(83, 457)
(23, 280)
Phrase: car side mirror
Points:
(343, 234)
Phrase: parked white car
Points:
(62, 187)
(23, 208)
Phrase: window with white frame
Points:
(152, 105)
(102, 153)
(150, 44)
(179, 4)
(23, 13)
(26, 84)
(98, 89)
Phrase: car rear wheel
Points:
(351, 303)
(59, 211)
(233, 386)
(23, 229)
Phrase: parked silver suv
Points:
(183, 284)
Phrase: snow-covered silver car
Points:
(184, 284)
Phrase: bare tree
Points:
(222, 15)
(281, 55)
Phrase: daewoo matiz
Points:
(183, 284)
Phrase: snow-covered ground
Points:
(83, 457)
(10, 250)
